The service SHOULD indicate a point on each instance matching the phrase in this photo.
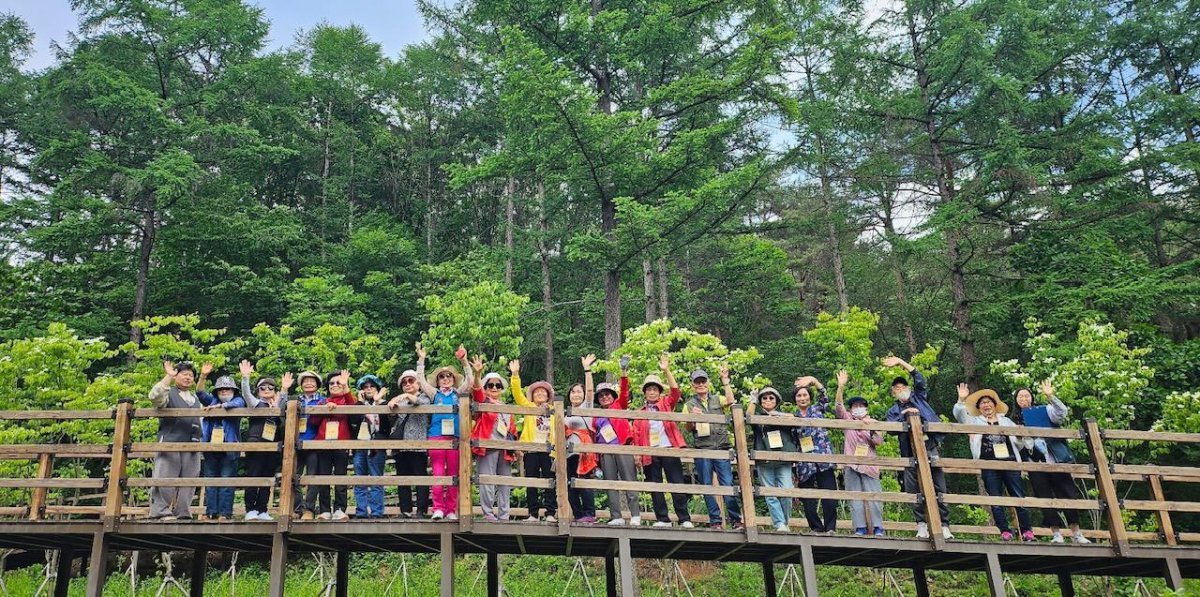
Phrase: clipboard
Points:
(1036, 416)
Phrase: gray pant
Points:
(856, 481)
(911, 485)
(175, 501)
(619, 467)
(494, 498)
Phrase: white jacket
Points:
(1014, 443)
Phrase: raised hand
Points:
(420, 352)
(206, 368)
(664, 361)
(514, 366)
(963, 392)
(588, 361)
(169, 369)
(892, 361)
(805, 381)
(461, 354)
(625, 363)
(723, 371)
(842, 377)
(476, 364)
(381, 395)
(246, 368)
(286, 381)
(1047, 388)
(344, 376)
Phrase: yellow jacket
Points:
(529, 425)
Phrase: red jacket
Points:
(620, 427)
(343, 421)
(485, 424)
(641, 427)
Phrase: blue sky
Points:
(393, 24)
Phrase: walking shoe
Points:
(184, 517)
(339, 515)
(1080, 539)
(860, 532)
(438, 515)
(533, 518)
(661, 524)
(265, 517)
(308, 515)
(879, 532)
(587, 520)
(739, 526)
(1006, 536)
(451, 516)
(167, 518)
(551, 518)
(324, 516)
(687, 524)
(1028, 536)
(946, 534)
(635, 521)
(616, 522)
(782, 528)
(252, 515)
(1057, 537)
(923, 530)
(489, 517)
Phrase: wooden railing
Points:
(111, 491)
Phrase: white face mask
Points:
(905, 395)
(859, 411)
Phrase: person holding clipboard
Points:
(984, 407)
(1046, 484)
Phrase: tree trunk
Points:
(142, 281)
(663, 311)
(608, 212)
(547, 302)
(944, 175)
(889, 230)
(648, 282)
(510, 217)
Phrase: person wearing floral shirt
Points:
(815, 440)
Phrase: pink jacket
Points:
(860, 437)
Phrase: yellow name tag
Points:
(541, 435)
(774, 439)
(447, 426)
(218, 435)
(303, 424)
(655, 438)
(364, 431)
(806, 444)
(269, 431)
(703, 429)
(331, 429)
(861, 450)
(502, 426)
(608, 434)
(1001, 450)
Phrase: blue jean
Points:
(776, 474)
(704, 473)
(218, 501)
(996, 482)
(368, 499)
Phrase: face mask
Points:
(859, 411)
(905, 395)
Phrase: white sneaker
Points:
(265, 517)
(252, 515)
(687, 524)
(551, 519)
(635, 521)
(783, 528)
(339, 515)
(451, 516)
(531, 519)
(324, 516)
(1080, 539)
(1057, 538)
(661, 524)
(923, 530)
(616, 522)
(946, 534)
(438, 515)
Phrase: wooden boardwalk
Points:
(113, 524)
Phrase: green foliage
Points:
(485, 318)
(1097, 372)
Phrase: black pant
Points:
(673, 469)
(821, 480)
(325, 462)
(1059, 486)
(260, 464)
(913, 486)
(539, 465)
(412, 464)
(583, 501)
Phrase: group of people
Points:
(181, 387)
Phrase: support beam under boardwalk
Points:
(629, 586)
(921, 581)
(62, 576)
(769, 588)
(610, 574)
(447, 565)
(342, 576)
(1066, 586)
(995, 576)
(493, 574)
(199, 567)
(279, 556)
(98, 564)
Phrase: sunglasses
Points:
(441, 375)
(699, 382)
(494, 386)
(336, 383)
(267, 387)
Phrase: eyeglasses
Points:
(336, 383)
(407, 381)
(494, 386)
(699, 382)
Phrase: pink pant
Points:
(444, 463)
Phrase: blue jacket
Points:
(232, 425)
(313, 421)
(918, 399)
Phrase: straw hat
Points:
(972, 402)
(440, 370)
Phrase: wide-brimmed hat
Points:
(972, 402)
(224, 383)
(541, 384)
(607, 387)
(309, 373)
(447, 369)
(771, 391)
(653, 380)
(369, 379)
(407, 374)
(497, 377)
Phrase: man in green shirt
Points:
(713, 436)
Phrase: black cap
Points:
(901, 381)
(854, 399)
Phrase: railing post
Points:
(465, 512)
(1107, 488)
(287, 470)
(114, 494)
(561, 459)
(37, 505)
(928, 492)
(1164, 517)
(745, 482)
